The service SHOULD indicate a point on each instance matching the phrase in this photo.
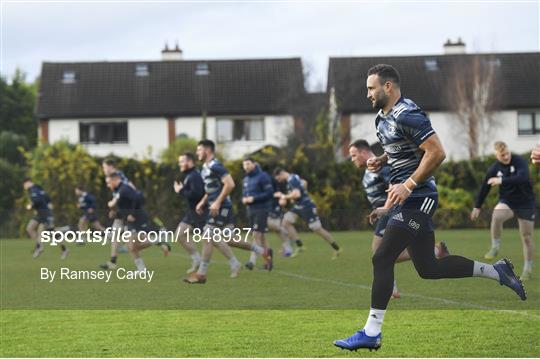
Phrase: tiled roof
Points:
(170, 88)
(426, 79)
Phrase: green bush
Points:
(11, 147)
(177, 147)
(336, 187)
(59, 168)
(10, 189)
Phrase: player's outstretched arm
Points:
(484, 191)
(434, 155)
(200, 206)
(228, 186)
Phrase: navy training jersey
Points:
(40, 199)
(276, 210)
(193, 189)
(375, 184)
(87, 201)
(515, 188)
(212, 173)
(401, 133)
(123, 178)
(129, 202)
(295, 182)
(258, 184)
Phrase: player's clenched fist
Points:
(374, 164)
(474, 214)
(535, 156)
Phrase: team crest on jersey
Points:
(499, 174)
(392, 129)
(512, 169)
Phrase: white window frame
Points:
(111, 122)
(241, 118)
(535, 118)
(142, 70)
(69, 77)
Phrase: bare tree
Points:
(338, 134)
(473, 95)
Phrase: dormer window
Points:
(431, 64)
(141, 70)
(202, 70)
(68, 77)
(493, 62)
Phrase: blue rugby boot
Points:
(359, 340)
(507, 277)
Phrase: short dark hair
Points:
(189, 155)
(27, 179)
(207, 144)
(361, 145)
(385, 73)
(80, 186)
(248, 158)
(278, 170)
(109, 162)
(114, 175)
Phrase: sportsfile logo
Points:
(118, 235)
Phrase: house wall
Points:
(276, 130)
(363, 127)
(190, 126)
(147, 137)
(453, 136)
(67, 130)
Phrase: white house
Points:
(138, 108)
(430, 81)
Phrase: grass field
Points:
(296, 310)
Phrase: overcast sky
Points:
(36, 32)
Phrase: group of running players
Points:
(399, 185)
(208, 217)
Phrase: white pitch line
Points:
(420, 296)
(368, 287)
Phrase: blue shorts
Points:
(142, 223)
(526, 211)
(307, 213)
(45, 217)
(194, 219)
(258, 220)
(139, 226)
(276, 212)
(90, 217)
(223, 218)
(415, 214)
(381, 224)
